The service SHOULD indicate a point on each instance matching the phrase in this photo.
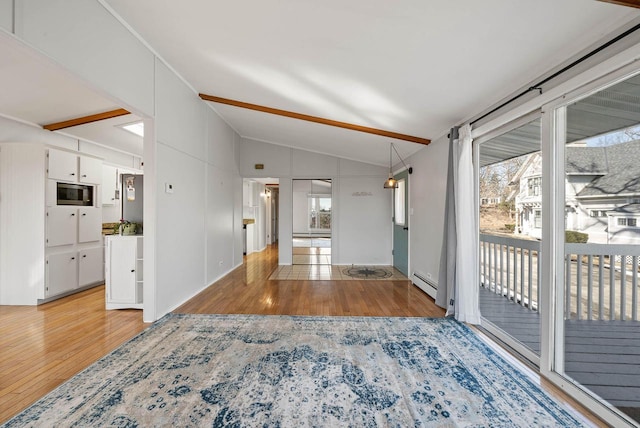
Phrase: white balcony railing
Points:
(601, 282)
(509, 267)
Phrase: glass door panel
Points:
(510, 231)
(602, 245)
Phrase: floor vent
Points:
(425, 284)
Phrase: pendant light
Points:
(392, 183)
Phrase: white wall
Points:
(361, 224)
(6, 15)
(364, 221)
(427, 191)
(195, 224)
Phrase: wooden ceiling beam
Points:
(315, 119)
(85, 119)
(629, 3)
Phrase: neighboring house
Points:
(490, 200)
(528, 197)
(602, 193)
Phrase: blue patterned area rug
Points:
(279, 371)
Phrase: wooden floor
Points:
(604, 356)
(248, 291)
(41, 347)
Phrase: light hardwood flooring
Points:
(41, 347)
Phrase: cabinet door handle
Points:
(73, 173)
(84, 255)
(84, 175)
(73, 258)
(133, 270)
(84, 214)
(73, 214)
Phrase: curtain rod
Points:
(538, 86)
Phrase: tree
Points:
(495, 179)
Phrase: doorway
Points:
(401, 223)
(312, 201)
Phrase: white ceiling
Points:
(416, 67)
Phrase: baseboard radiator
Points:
(427, 285)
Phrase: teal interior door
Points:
(401, 223)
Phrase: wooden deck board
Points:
(604, 356)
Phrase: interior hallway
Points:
(41, 347)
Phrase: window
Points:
(603, 213)
(534, 186)
(594, 213)
(399, 203)
(537, 219)
(319, 212)
(631, 222)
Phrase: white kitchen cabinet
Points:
(90, 266)
(61, 273)
(109, 184)
(90, 170)
(62, 226)
(62, 165)
(123, 272)
(39, 245)
(89, 224)
(72, 167)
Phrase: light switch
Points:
(168, 188)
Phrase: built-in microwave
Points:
(74, 194)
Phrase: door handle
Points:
(405, 228)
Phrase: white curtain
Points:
(458, 278)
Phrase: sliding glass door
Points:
(597, 144)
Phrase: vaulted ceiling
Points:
(414, 67)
